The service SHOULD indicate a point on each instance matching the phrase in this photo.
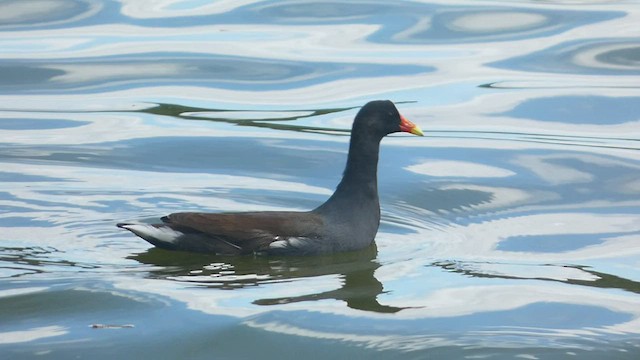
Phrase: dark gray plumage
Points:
(348, 220)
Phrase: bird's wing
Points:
(250, 232)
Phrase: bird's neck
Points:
(359, 183)
(362, 162)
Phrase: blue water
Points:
(511, 230)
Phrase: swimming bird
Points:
(347, 221)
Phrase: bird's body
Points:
(348, 220)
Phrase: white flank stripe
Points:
(163, 233)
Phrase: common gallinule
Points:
(347, 221)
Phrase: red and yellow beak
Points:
(408, 126)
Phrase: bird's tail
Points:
(170, 237)
(159, 235)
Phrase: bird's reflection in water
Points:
(359, 287)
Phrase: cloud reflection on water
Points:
(23, 336)
(216, 71)
(611, 56)
(17, 14)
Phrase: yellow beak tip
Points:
(417, 131)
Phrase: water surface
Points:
(512, 230)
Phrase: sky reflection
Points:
(511, 228)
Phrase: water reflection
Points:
(426, 23)
(17, 14)
(511, 230)
(440, 168)
(578, 275)
(359, 287)
(481, 24)
(555, 243)
(321, 11)
(282, 120)
(225, 72)
(40, 124)
(601, 110)
(492, 317)
(22, 336)
(612, 56)
(18, 262)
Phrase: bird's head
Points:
(381, 118)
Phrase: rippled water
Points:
(512, 230)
